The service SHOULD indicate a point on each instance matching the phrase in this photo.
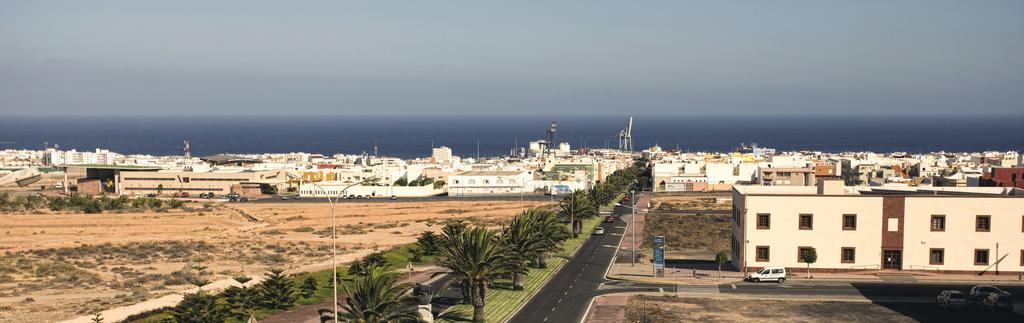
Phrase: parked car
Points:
(777, 274)
(599, 231)
(609, 219)
(951, 299)
(176, 195)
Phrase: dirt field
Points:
(669, 309)
(703, 234)
(688, 202)
(672, 309)
(56, 266)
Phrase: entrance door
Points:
(892, 259)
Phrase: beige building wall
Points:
(784, 236)
(960, 238)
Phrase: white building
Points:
(943, 229)
(489, 182)
(442, 154)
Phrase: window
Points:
(936, 256)
(849, 255)
(981, 257)
(1022, 257)
(849, 222)
(762, 253)
(983, 223)
(801, 251)
(806, 221)
(938, 223)
(764, 221)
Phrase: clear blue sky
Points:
(511, 57)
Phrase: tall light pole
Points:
(632, 223)
(334, 236)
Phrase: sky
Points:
(524, 57)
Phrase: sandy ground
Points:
(59, 266)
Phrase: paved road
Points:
(566, 296)
(879, 291)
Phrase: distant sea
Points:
(413, 136)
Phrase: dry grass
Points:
(72, 264)
(672, 309)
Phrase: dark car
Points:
(609, 219)
(991, 297)
(951, 299)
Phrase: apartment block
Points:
(940, 229)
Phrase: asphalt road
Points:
(876, 291)
(566, 296)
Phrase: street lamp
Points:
(632, 221)
(334, 235)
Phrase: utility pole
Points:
(632, 198)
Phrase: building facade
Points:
(956, 230)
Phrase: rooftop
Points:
(882, 190)
(491, 173)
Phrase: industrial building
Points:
(940, 229)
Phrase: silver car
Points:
(951, 299)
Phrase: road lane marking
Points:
(545, 319)
(559, 300)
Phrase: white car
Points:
(599, 231)
(777, 274)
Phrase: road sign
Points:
(659, 255)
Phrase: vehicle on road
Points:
(777, 274)
(609, 219)
(951, 299)
(991, 297)
(206, 195)
(284, 198)
(235, 197)
(599, 231)
(394, 197)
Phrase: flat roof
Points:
(115, 167)
(490, 173)
(755, 190)
(222, 158)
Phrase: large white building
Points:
(955, 230)
(54, 157)
(486, 182)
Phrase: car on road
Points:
(609, 219)
(951, 299)
(206, 195)
(235, 197)
(777, 274)
(284, 198)
(991, 297)
(394, 197)
(599, 231)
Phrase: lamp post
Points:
(334, 236)
(632, 223)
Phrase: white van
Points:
(777, 274)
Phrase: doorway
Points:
(892, 259)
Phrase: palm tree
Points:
(521, 240)
(377, 297)
(477, 257)
(575, 207)
(552, 234)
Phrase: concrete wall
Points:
(960, 237)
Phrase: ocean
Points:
(413, 136)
